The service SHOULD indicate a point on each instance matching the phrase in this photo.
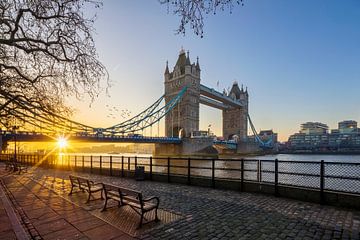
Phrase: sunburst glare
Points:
(62, 142)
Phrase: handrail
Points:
(304, 174)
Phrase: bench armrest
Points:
(95, 184)
(152, 198)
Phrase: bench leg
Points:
(156, 216)
(141, 220)
(88, 200)
(104, 207)
(72, 187)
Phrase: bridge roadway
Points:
(213, 98)
(41, 137)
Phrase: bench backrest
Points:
(125, 193)
(73, 179)
(83, 180)
(79, 180)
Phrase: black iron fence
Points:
(319, 176)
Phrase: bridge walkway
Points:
(188, 212)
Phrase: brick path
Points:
(207, 213)
(6, 227)
(51, 217)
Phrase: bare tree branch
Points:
(46, 54)
(191, 12)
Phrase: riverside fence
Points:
(325, 182)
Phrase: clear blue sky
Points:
(299, 59)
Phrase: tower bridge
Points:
(184, 119)
(183, 95)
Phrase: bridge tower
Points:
(184, 118)
(235, 121)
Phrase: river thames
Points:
(310, 157)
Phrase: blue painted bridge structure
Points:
(22, 136)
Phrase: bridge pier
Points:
(188, 146)
(248, 148)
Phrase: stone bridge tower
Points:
(235, 122)
(184, 118)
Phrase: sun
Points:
(62, 142)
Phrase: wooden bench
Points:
(20, 167)
(15, 167)
(9, 165)
(132, 198)
(85, 184)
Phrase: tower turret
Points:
(184, 117)
(235, 119)
(167, 73)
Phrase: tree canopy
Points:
(192, 12)
(47, 53)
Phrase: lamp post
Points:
(14, 128)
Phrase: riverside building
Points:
(315, 136)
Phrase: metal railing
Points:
(320, 176)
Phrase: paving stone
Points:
(104, 232)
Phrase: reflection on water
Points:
(310, 157)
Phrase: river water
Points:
(285, 157)
(311, 157)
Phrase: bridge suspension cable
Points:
(148, 117)
(267, 144)
(34, 115)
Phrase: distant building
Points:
(266, 135)
(314, 128)
(314, 136)
(348, 126)
(268, 138)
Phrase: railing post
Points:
(135, 162)
(91, 164)
(129, 164)
(83, 162)
(75, 161)
(68, 158)
(276, 181)
(322, 182)
(242, 176)
(168, 169)
(259, 171)
(213, 173)
(111, 166)
(151, 162)
(122, 166)
(100, 165)
(189, 172)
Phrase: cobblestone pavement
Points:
(220, 214)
